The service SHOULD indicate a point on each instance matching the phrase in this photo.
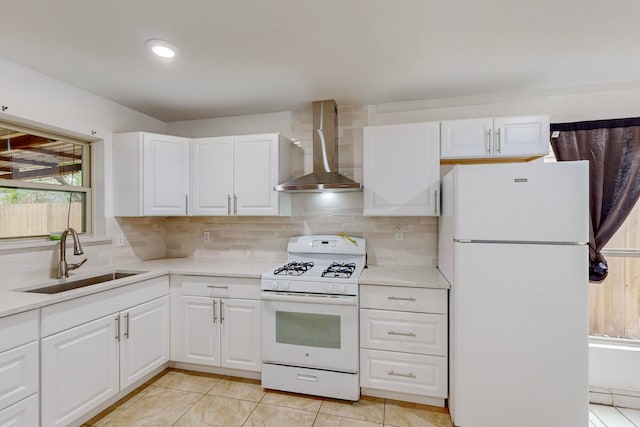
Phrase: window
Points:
(614, 304)
(44, 183)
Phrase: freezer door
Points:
(519, 336)
(542, 202)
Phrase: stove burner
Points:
(336, 269)
(293, 268)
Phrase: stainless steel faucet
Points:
(63, 267)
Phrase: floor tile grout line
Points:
(623, 414)
(188, 409)
(251, 413)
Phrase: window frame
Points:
(87, 178)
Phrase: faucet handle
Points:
(77, 265)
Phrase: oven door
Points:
(310, 331)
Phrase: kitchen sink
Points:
(81, 283)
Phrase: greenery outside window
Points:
(45, 183)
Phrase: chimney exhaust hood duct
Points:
(325, 176)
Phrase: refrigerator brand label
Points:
(520, 180)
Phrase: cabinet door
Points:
(521, 136)
(402, 169)
(144, 340)
(199, 330)
(79, 370)
(165, 175)
(255, 174)
(240, 324)
(212, 176)
(461, 139)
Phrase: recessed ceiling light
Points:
(162, 48)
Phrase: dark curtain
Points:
(612, 148)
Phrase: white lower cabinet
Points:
(79, 370)
(19, 379)
(22, 414)
(404, 372)
(144, 344)
(199, 332)
(214, 328)
(240, 334)
(86, 364)
(403, 340)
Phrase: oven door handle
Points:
(342, 300)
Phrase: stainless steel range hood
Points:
(325, 176)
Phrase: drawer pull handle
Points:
(304, 377)
(404, 334)
(217, 287)
(396, 374)
(402, 299)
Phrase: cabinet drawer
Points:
(18, 373)
(402, 331)
(219, 287)
(24, 413)
(421, 300)
(405, 373)
(18, 329)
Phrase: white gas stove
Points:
(310, 318)
(320, 264)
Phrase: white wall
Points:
(589, 104)
(35, 99)
(236, 125)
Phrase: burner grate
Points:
(293, 268)
(337, 269)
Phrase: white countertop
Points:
(15, 301)
(400, 275)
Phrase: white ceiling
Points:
(253, 56)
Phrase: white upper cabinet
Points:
(524, 136)
(257, 167)
(466, 138)
(212, 176)
(235, 175)
(150, 174)
(402, 169)
(171, 176)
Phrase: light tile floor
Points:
(609, 416)
(183, 398)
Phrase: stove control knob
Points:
(341, 288)
(285, 286)
(330, 288)
(274, 285)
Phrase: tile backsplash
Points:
(312, 213)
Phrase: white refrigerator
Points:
(512, 244)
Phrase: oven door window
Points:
(308, 329)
